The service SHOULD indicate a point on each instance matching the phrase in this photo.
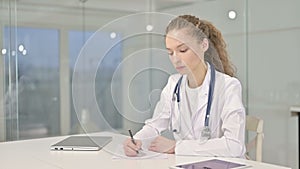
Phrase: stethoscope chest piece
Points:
(205, 133)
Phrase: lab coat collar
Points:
(203, 89)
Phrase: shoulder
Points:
(227, 81)
(230, 93)
(172, 81)
(170, 86)
(174, 78)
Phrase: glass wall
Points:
(34, 94)
(273, 82)
(81, 66)
(40, 45)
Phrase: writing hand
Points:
(130, 148)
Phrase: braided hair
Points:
(216, 53)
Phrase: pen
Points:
(132, 140)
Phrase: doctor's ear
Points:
(205, 44)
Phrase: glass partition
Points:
(4, 20)
(41, 42)
(34, 95)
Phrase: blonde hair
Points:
(216, 53)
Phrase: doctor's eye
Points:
(183, 50)
(170, 53)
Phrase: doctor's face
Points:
(184, 51)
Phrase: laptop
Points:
(81, 143)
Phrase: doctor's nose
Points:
(174, 57)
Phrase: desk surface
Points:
(36, 154)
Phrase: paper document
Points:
(143, 154)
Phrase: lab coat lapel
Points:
(186, 118)
(203, 94)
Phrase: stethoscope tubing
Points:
(176, 94)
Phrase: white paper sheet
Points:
(143, 154)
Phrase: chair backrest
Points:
(255, 124)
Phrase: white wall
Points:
(273, 65)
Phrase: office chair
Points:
(254, 124)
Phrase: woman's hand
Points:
(163, 145)
(131, 149)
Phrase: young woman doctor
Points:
(202, 105)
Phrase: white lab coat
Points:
(226, 122)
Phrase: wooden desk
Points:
(36, 154)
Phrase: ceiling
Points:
(109, 5)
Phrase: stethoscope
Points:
(205, 133)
